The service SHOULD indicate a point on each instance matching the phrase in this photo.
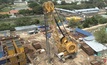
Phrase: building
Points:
(71, 1)
(17, 0)
(80, 11)
(79, 33)
(13, 11)
(88, 43)
(26, 28)
(100, 49)
(20, 2)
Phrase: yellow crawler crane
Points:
(20, 49)
(11, 52)
(66, 47)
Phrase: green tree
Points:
(85, 25)
(4, 16)
(33, 4)
(25, 12)
(101, 35)
(6, 26)
(36, 21)
(55, 3)
(38, 10)
(42, 1)
(63, 3)
(94, 20)
(23, 21)
(102, 20)
(73, 24)
(6, 1)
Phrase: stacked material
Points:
(87, 49)
(14, 51)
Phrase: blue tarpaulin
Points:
(83, 32)
(1, 55)
(1, 52)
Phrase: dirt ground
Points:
(42, 59)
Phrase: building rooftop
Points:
(14, 11)
(89, 10)
(25, 27)
(96, 46)
(83, 32)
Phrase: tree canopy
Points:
(26, 21)
(19, 22)
(88, 22)
(25, 12)
(6, 1)
(85, 4)
(33, 4)
(101, 35)
(36, 8)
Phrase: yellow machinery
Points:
(74, 18)
(15, 51)
(11, 52)
(65, 46)
(20, 49)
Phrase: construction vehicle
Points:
(66, 46)
(74, 18)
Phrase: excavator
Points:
(66, 46)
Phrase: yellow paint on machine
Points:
(22, 58)
(74, 18)
(20, 49)
(13, 60)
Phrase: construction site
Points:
(52, 44)
(31, 50)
